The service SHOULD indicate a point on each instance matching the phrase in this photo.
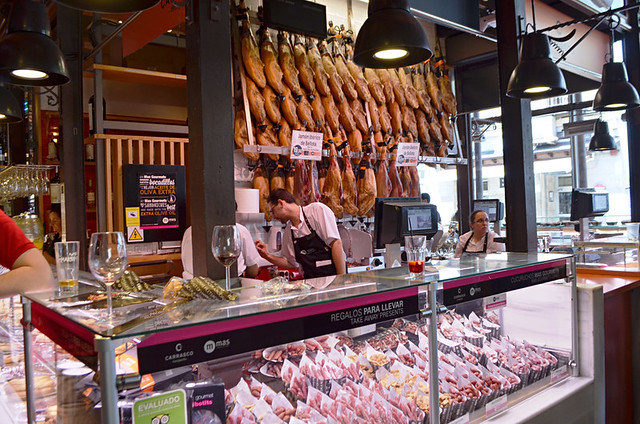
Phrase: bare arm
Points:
(276, 260)
(337, 254)
(30, 273)
(251, 271)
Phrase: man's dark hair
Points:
(280, 194)
(426, 196)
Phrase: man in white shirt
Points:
(310, 241)
(247, 261)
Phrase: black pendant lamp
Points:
(391, 37)
(616, 92)
(10, 110)
(601, 139)
(28, 56)
(536, 76)
(110, 6)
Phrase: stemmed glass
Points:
(226, 245)
(107, 261)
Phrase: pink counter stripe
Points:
(501, 274)
(158, 227)
(269, 318)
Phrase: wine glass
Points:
(107, 260)
(226, 245)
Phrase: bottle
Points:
(92, 113)
(54, 188)
(91, 196)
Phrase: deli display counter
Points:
(505, 346)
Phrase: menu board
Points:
(155, 202)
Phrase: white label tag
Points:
(407, 154)
(559, 374)
(496, 405)
(306, 145)
(323, 263)
(495, 302)
(462, 420)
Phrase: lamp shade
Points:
(615, 92)
(10, 110)
(601, 139)
(110, 6)
(390, 37)
(28, 56)
(536, 76)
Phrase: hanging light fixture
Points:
(601, 139)
(615, 92)
(28, 56)
(391, 37)
(110, 6)
(536, 76)
(9, 107)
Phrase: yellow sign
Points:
(132, 216)
(135, 234)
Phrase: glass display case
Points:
(474, 336)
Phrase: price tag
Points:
(407, 154)
(496, 301)
(559, 374)
(461, 420)
(306, 145)
(496, 405)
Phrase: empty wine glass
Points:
(107, 261)
(226, 244)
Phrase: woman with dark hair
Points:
(479, 239)
(54, 235)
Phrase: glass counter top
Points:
(146, 313)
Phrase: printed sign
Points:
(496, 405)
(306, 145)
(559, 374)
(171, 354)
(155, 202)
(165, 408)
(458, 291)
(462, 420)
(496, 301)
(408, 154)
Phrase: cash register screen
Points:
(419, 219)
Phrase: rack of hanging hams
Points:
(295, 83)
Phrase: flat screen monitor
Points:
(396, 218)
(493, 207)
(587, 202)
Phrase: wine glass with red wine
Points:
(226, 247)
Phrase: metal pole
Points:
(434, 387)
(28, 360)
(575, 327)
(108, 390)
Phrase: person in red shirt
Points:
(28, 269)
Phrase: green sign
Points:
(165, 408)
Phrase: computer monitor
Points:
(396, 218)
(493, 207)
(586, 203)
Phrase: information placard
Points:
(154, 202)
(306, 145)
(408, 154)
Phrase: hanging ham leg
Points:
(385, 119)
(409, 123)
(396, 118)
(289, 107)
(360, 82)
(374, 113)
(332, 190)
(405, 177)
(355, 143)
(266, 136)
(434, 92)
(348, 186)
(284, 134)
(410, 92)
(302, 63)
(449, 99)
(375, 86)
(261, 182)
(359, 116)
(256, 102)
(317, 109)
(277, 178)
(253, 65)
(269, 56)
(287, 64)
(241, 136)
(366, 187)
(302, 190)
(271, 104)
(331, 113)
(346, 116)
(415, 181)
(290, 178)
(320, 76)
(305, 114)
(398, 90)
(383, 182)
(313, 179)
(348, 83)
(396, 183)
(335, 81)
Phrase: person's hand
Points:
(261, 248)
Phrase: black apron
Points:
(313, 254)
(484, 249)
